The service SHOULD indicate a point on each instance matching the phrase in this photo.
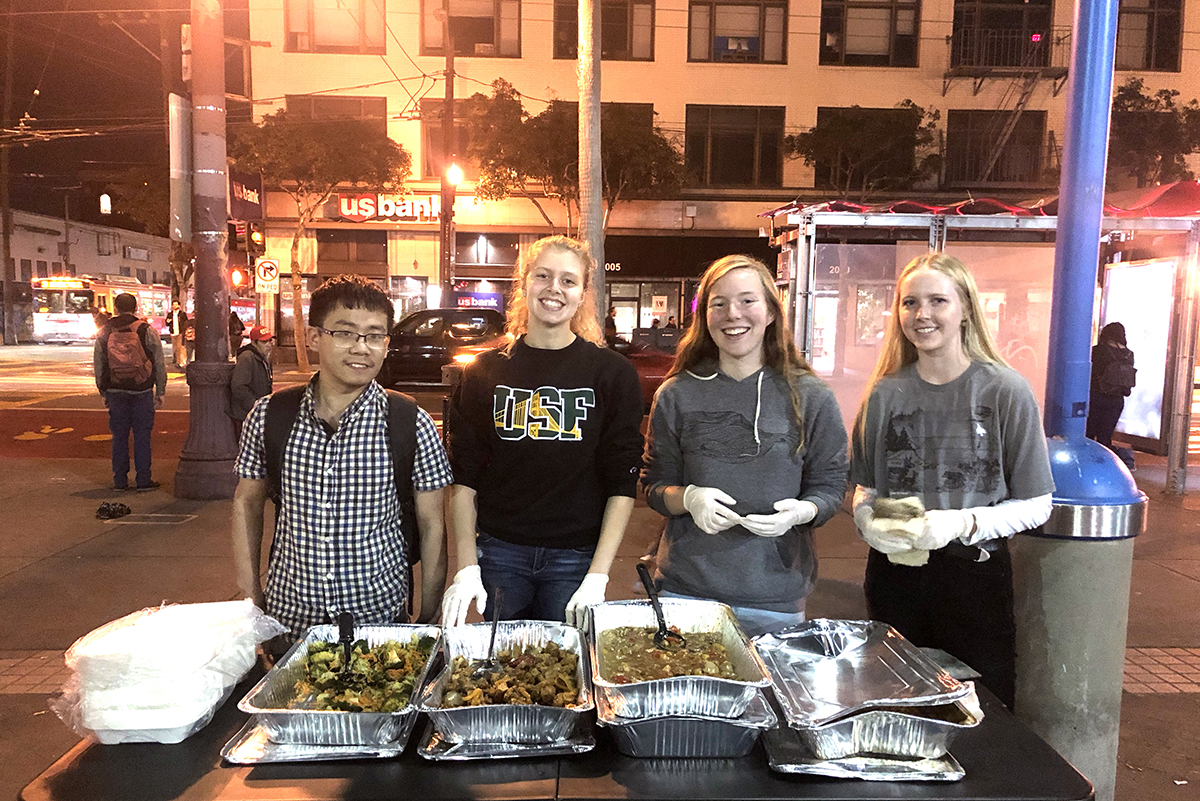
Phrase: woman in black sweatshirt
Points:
(546, 447)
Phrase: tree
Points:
(143, 195)
(1150, 136)
(515, 150)
(308, 159)
(858, 151)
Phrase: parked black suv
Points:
(424, 341)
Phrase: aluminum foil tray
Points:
(787, 753)
(823, 670)
(252, 746)
(270, 700)
(436, 748)
(688, 737)
(507, 723)
(890, 732)
(702, 696)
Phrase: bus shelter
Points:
(838, 264)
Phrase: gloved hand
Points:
(706, 505)
(789, 512)
(884, 534)
(591, 591)
(943, 526)
(466, 587)
(909, 558)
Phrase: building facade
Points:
(730, 82)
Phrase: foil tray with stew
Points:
(539, 695)
(643, 682)
(286, 701)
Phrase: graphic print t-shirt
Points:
(545, 438)
(976, 441)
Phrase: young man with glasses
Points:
(338, 543)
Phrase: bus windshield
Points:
(48, 301)
(79, 301)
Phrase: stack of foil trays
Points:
(684, 716)
(508, 729)
(282, 731)
(858, 689)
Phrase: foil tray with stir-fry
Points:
(530, 674)
(379, 678)
(629, 654)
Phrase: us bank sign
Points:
(410, 208)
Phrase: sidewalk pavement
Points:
(63, 573)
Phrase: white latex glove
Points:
(708, 508)
(591, 591)
(789, 512)
(909, 558)
(885, 534)
(467, 587)
(943, 526)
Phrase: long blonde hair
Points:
(897, 352)
(585, 323)
(779, 352)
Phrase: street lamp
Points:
(450, 180)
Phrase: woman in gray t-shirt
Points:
(954, 435)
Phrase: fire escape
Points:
(1020, 57)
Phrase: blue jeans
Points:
(755, 621)
(535, 583)
(130, 411)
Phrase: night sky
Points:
(76, 70)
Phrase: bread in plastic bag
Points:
(158, 675)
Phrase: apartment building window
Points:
(334, 107)
(432, 160)
(626, 30)
(734, 145)
(26, 270)
(335, 26)
(753, 32)
(1148, 35)
(350, 245)
(477, 27)
(1001, 33)
(869, 33)
(973, 141)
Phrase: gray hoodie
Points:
(713, 431)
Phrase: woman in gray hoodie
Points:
(746, 455)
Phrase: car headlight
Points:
(465, 358)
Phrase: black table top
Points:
(1003, 760)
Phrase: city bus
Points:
(65, 307)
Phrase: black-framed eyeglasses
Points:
(346, 339)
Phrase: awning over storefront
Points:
(676, 256)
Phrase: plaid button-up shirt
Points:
(338, 545)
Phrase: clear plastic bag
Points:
(158, 675)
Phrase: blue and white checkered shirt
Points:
(338, 545)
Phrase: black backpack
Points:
(1119, 376)
(282, 410)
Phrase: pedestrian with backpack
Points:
(1113, 378)
(344, 459)
(132, 378)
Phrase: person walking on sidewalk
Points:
(176, 325)
(132, 378)
(339, 545)
(252, 375)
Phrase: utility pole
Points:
(591, 213)
(446, 211)
(7, 270)
(206, 462)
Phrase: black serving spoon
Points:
(664, 638)
(489, 665)
(345, 624)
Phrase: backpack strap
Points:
(282, 410)
(402, 442)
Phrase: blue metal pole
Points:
(1080, 209)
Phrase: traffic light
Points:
(237, 277)
(256, 241)
(237, 235)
